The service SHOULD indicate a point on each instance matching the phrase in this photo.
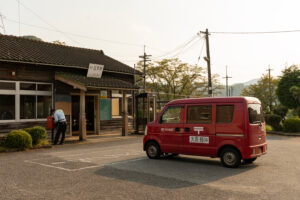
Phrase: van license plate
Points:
(199, 139)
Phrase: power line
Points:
(178, 47)
(34, 13)
(183, 50)
(201, 52)
(256, 32)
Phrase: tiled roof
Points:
(104, 82)
(20, 49)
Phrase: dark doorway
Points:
(89, 113)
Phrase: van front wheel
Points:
(230, 158)
(153, 150)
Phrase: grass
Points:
(269, 128)
(3, 149)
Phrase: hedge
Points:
(291, 125)
(38, 133)
(274, 121)
(18, 139)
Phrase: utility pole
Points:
(227, 77)
(270, 91)
(145, 58)
(207, 59)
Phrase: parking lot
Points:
(120, 170)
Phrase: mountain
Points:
(236, 89)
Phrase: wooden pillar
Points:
(82, 118)
(124, 115)
(97, 110)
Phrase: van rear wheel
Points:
(153, 150)
(230, 158)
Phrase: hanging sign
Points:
(95, 70)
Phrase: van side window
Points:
(199, 114)
(224, 114)
(171, 115)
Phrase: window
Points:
(255, 114)
(44, 87)
(224, 114)
(44, 104)
(199, 114)
(28, 86)
(7, 107)
(27, 107)
(24, 100)
(7, 86)
(171, 115)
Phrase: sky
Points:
(121, 28)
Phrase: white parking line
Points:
(57, 163)
(62, 168)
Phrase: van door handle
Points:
(187, 129)
(177, 129)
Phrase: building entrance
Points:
(90, 115)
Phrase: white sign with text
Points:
(95, 70)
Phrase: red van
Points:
(230, 128)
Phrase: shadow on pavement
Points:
(171, 173)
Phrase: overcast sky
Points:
(121, 27)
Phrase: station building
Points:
(36, 76)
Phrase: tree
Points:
(59, 42)
(288, 91)
(171, 79)
(261, 91)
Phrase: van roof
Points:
(215, 100)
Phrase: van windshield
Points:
(255, 114)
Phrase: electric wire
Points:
(177, 48)
(34, 13)
(255, 32)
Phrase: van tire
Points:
(153, 150)
(230, 157)
(249, 161)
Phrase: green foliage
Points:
(280, 110)
(261, 91)
(274, 121)
(173, 79)
(37, 133)
(291, 125)
(18, 139)
(297, 111)
(288, 87)
(269, 128)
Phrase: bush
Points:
(291, 125)
(280, 110)
(18, 139)
(269, 128)
(38, 133)
(274, 121)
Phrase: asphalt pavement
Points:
(119, 169)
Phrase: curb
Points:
(283, 134)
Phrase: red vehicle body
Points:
(230, 128)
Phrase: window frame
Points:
(173, 106)
(233, 105)
(18, 92)
(194, 105)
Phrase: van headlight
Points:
(146, 130)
